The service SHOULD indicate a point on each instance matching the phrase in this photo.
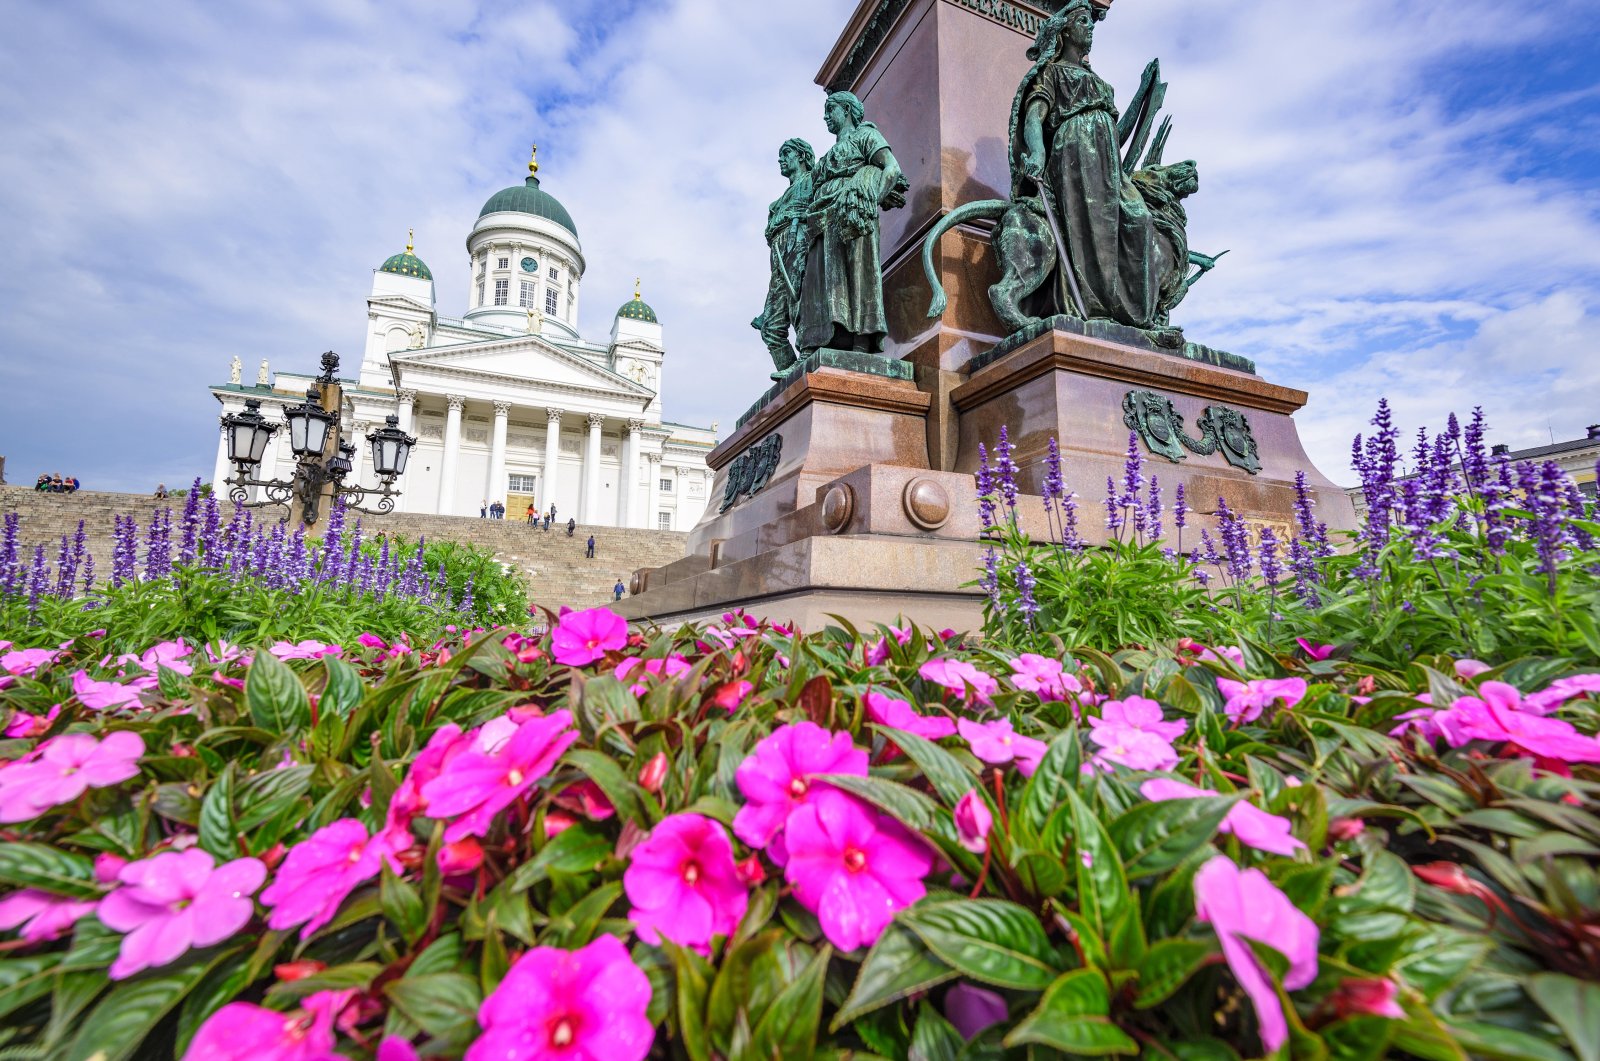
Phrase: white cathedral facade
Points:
(508, 402)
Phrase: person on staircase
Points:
(572, 525)
(589, 550)
(618, 590)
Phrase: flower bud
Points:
(556, 823)
(273, 855)
(1345, 829)
(291, 971)
(1367, 997)
(750, 871)
(973, 822)
(630, 837)
(654, 772)
(460, 858)
(107, 866)
(1449, 876)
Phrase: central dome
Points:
(529, 198)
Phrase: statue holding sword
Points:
(787, 241)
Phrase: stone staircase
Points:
(552, 565)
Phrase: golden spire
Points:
(411, 236)
(533, 162)
(636, 289)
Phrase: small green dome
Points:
(529, 198)
(406, 263)
(637, 309)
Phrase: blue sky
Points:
(1408, 191)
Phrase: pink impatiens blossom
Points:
(168, 654)
(1560, 691)
(1241, 904)
(776, 778)
(321, 871)
(891, 711)
(1140, 713)
(63, 768)
(99, 696)
(1043, 675)
(1247, 700)
(853, 867)
(973, 822)
(1467, 669)
(287, 650)
(556, 1005)
(177, 900)
(1253, 826)
(24, 726)
(394, 1048)
(683, 884)
(962, 678)
(1494, 718)
(1315, 651)
(26, 661)
(1221, 654)
(646, 670)
(40, 915)
(580, 638)
(997, 743)
(475, 786)
(1136, 749)
(243, 1031)
(1369, 997)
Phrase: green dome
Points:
(406, 264)
(529, 198)
(637, 309)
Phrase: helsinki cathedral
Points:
(508, 402)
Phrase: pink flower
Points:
(1495, 715)
(394, 1048)
(26, 661)
(478, 785)
(996, 742)
(407, 802)
(556, 1005)
(973, 822)
(1367, 997)
(671, 667)
(1045, 676)
(42, 916)
(242, 1031)
(460, 858)
(580, 638)
(107, 866)
(1560, 691)
(1315, 651)
(168, 654)
(653, 773)
(101, 695)
(177, 900)
(961, 678)
(1242, 904)
(1221, 654)
(321, 870)
(887, 710)
(1137, 712)
(776, 778)
(24, 726)
(304, 650)
(731, 695)
(853, 867)
(1468, 669)
(371, 641)
(683, 884)
(589, 799)
(1253, 826)
(1136, 749)
(1247, 700)
(62, 768)
(972, 1009)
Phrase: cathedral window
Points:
(663, 521)
(666, 486)
(554, 275)
(480, 292)
(505, 263)
(521, 484)
(550, 302)
(502, 292)
(526, 298)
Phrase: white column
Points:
(452, 454)
(219, 472)
(591, 472)
(496, 490)
(628, 478)
(408, 402)
(552, 456)
(358, 463)
(268, 468)
(652, 505)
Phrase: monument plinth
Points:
(848, 488)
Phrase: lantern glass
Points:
(248, 434)
(297, 430)
(390, 448)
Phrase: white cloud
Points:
(186, 181)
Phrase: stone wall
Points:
(553, 565)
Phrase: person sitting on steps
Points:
(572, 525)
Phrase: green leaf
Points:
(402, 905)
(575, 849)
(1074, 1017)
(1155, 837)
(334, 978)
(944, 771)
(1483, 1040)
(25, 978)
(28, 865)
(343, 691)
(1358, 1038)
(445, 1005)
(1575, 1006)
(1104, 897)
(274, 696)
(1167, 966)
(217, 835)
(624, 795)
(117, 1026)
(789, 1028)
(990, 940)
(934, 1038)
(913, 809)
(898, 965)
(690, 973)
(1045, 790)
(211, 995)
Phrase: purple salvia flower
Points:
(1113, 510)
(1271, 569)
(1069, 523)
(990, 580)
(1025, 586)
(66, 578)
(1207, 552)
(1548, 527)
(353, 563)
(11, 574)
(1235, 541)
(38, 579)
(190, 526)
(1180, 513)
(985, 487)
(1006, 473)
(1054, 486)
(88, 575)
(1132, 471)
(1153, 509)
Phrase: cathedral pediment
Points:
(525, 359)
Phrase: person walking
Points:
(618, 590)
(483, 509)
(589, 551)
(572, 525)
(532, 518)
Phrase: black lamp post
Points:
(310, 426)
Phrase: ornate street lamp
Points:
(309, 428)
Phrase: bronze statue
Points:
(787, 243)
(841, 294)
(1087, 233)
